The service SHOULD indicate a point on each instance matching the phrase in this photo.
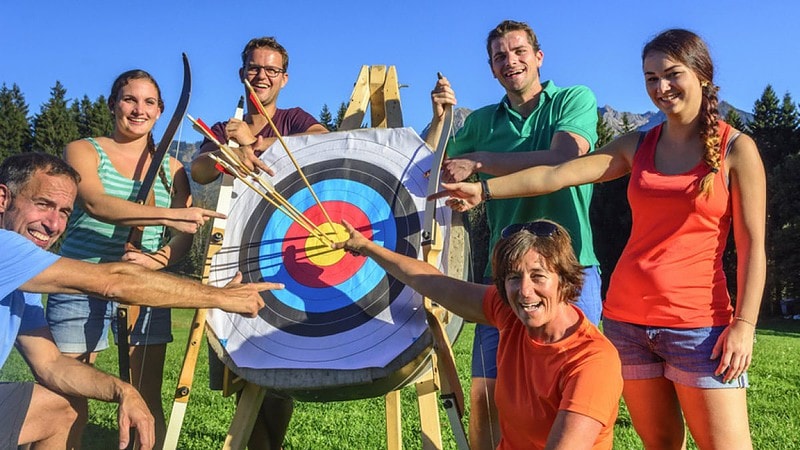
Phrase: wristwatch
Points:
(486, 195)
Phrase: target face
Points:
(337, 311)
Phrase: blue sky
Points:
(86, 44)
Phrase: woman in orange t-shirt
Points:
(684, 348)
(558, 379)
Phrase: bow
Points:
(127, 315)
(432, 245)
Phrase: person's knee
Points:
(69, 410)
(666, 436)
(52, 414)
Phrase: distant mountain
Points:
(649, 119)
(459, 115)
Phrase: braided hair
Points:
(688, 48)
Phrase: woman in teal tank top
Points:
(111, 170)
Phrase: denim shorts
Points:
(484, 345)
(15, 399)
(681, 355)
(80, 324)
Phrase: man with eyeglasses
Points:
(535, 123)
(264, 65)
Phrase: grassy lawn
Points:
(774, 402)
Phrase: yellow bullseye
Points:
(319, 252)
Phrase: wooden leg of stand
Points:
(427, 390)
(394, 429)
(244, 418)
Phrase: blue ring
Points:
(321, 300)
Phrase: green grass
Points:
(773, 399)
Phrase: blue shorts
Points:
(15, 399)
(681, 355)
(484, 345)
(80, 324)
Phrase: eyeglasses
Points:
(538, 228)
(270, 71)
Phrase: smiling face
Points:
(267, 88)
(672, 86)
(41, 208)
(136, 108)
(515, 63)
(533, 293)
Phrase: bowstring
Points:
(169, 184)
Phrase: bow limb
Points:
(452, 394)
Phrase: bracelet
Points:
(251, 144)
(486, 195)
(744, 320)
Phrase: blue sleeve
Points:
(22, 261)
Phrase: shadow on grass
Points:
(98, 437)
(778, 326)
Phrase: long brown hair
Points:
(688, 48)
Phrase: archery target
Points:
(337, 311)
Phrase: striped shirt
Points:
(89, 239)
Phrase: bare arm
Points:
(442, 96)
(612, 161)
(460, 297)
(134, 285)
(106, 208)
(71, 377)
(564, 147)
(748, 200)
(573, 431)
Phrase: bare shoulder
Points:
(80, 152)
(743, 153)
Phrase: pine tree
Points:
(775, 130)
(765, 125)
(626, 126)
(15, 131)
(55, 125)
(609, 212)
(789, 126)
(325, 117)
(734, 119)
(604, 132)
(340, 115)
(93, 118)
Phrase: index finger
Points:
(207, 214)
(441, 194)
(263, 166)
(267, 286)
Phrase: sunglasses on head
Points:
(538, 228)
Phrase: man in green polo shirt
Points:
(535, 123)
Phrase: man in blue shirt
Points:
(37, 192)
